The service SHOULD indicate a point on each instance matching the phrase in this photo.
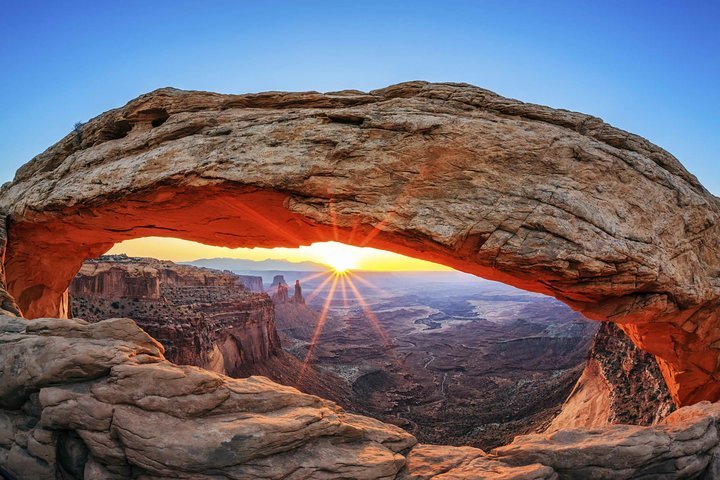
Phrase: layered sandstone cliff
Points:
(202, 317)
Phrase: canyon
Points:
(547, 200)
(510, 375)
(202, 317)
(450, 359)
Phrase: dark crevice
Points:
(116, 130)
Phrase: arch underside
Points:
(545, 200)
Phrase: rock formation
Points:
(547, 200)
(99, 400)
(298, 296)
(683, 445)
(280, 293)
(620, 384)
(202, 317)
(252, 282)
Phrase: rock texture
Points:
(98, 400)
(426, 462)
(7, 302)
(546, 200)
(620, 384)
(131, 414)
(684, 445)
(252, 282)
(202, 317)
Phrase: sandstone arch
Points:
(547, 200)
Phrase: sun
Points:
(339, 257)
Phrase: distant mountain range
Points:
(242, 265)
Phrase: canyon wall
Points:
(202, 317)
(252, 282)
(620, 384)
(7, 302)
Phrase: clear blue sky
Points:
(652, 67)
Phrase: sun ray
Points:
(313, 276)
(366, 282)
(369, 314)
(318, 330)
(343, 289)
(333, 218)
(262, 221)
(426, 171)
(353, 230)
(317, 290)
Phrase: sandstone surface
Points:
(620, 384)
(114, 408)
(683, 445)
(548, 200)
(202, 317)
(135, 415)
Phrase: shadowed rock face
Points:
(547, 200)
(620, 384)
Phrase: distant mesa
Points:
(243, 265)
(280, 291)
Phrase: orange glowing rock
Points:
(546, 200)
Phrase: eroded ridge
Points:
(100, 401)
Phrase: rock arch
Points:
(547, 200)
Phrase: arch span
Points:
(546, 200)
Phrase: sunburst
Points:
(341, 278)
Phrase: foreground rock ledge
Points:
(100, 401)
(547, 200)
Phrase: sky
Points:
(335, 255)
(649, 67)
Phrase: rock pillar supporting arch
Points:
(547, 200)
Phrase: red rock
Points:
(547, 200)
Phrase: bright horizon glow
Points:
(338, 256)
